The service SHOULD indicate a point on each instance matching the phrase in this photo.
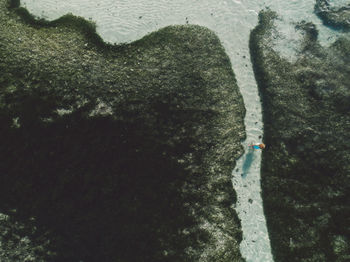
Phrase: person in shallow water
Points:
(258, 146)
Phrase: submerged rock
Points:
(335, 16)
(306, 166)
(16, 244)
(120, 153)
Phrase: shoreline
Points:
(304, 190)
(70, 102)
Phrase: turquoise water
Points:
(121, 21)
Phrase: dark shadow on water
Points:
(104, 189)
(247, 162)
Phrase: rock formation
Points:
(337, 17)
(117, 153)
(306, 165)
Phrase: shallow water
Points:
(125, 21)
(338, 3)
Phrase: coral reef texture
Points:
(306, 165)
(338, 17)
(116, 153)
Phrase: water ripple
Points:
(121, 21)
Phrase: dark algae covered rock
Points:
(116, 153)
(335, 16)
(306, 166)
(16, 245)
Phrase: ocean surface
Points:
(120, 21)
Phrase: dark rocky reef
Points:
(337, 17)
(22, 242)
(116, 153)
(306, 166)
